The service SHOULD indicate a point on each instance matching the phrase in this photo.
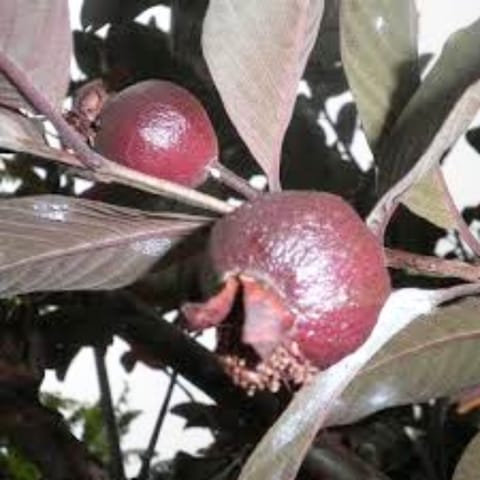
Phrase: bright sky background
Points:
(438, 18)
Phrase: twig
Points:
(234, 464)
(38, 149)
(68, 134)
(102, 168)
(175, 348)
(186, 391)
(132, 178)
(193, 361)
(150, 451)
(116, 462)
(432, 266)
(230, 179)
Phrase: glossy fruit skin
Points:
(158, 128)
(316, 253)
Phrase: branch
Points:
(223, 174)
(38, 100)
(171, 346)
(163, 343)
(431, 266)
(116, 462)
(113, 172)
(148, 455)
(166, 343)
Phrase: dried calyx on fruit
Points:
(313, 281)
(158, 128)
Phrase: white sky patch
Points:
(161, 14)
(304, 89)
(259, 182)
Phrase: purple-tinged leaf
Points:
(469, 465)
(440, 354)
(380, 57)
(52, 242)
(17, 131)
(22, 134)
(256, 53)
(36, 36)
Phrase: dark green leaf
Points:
(379, 54)
(346, 123)
(438, 113)
(469, 466)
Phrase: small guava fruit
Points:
(158, 128)
(313, 281)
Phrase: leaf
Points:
(36, 37)
(256, 53)
(279, 454)
(96, 14)
(88, 50)
(440, 354)
(346, 123)
(469, 465)
(425, 199)
(453, 126)
(430, 198)
(18, 132)
(324, 72)
(51, 242)
(22, 134)
(379, 54)
(438, 113)
(436, 116)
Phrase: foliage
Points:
(81, 417)
(77, 270)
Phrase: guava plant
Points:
(330, 308)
